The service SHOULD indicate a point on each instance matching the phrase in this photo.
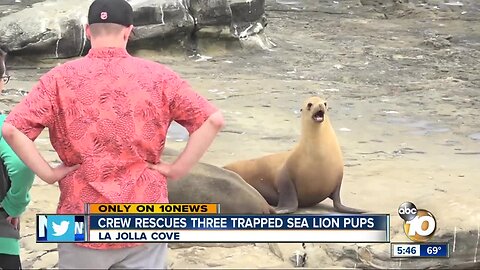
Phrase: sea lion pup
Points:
(306, 175)
(207, 183)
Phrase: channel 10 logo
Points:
(419, 224)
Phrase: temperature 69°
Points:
(433, 250)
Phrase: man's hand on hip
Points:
(197, 144)
(59, 173)
(29, 154)
(164, 168)
(15, 222)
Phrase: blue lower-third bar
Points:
(434, 250)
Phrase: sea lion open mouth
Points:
(318, 116)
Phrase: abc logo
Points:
(419, 224)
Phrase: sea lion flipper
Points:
(287, 193)
(337, 203)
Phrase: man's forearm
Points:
(198, 144)
(26, 151)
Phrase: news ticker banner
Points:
(152, 208)
(420, 250)
(127, 225)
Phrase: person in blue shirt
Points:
(16, 179)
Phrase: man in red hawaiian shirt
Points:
(108, 114)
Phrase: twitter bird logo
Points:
(59, 230)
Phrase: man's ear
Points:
(88, 33)
(128, 33)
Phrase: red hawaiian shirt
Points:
(109, 112)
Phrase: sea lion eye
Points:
(325, 104)
(309, 105)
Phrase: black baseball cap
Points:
(110, 11)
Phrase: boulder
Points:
(51, 28)
(160, 19)
(458, 227)
(248, 17)
(211, 184)
(55, 28)
(377, 256)
(211, 13)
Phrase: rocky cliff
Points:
(55, 28)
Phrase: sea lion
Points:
(207, 183)
(305, 175)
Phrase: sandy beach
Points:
(404, 98)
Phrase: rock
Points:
(247, 17)
(379, 3)
(299, 258)
(211, 184)
(155, 20)
(224, 245)
(55, 29)
(437, 40)
(275, 249)
(239, 257)
(46, 261)
(50, 28)
(377, 256)
(211, 13)
(29, 242)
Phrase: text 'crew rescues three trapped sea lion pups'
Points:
(306, 175)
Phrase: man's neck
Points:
(108, 43)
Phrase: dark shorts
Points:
(8, 261)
